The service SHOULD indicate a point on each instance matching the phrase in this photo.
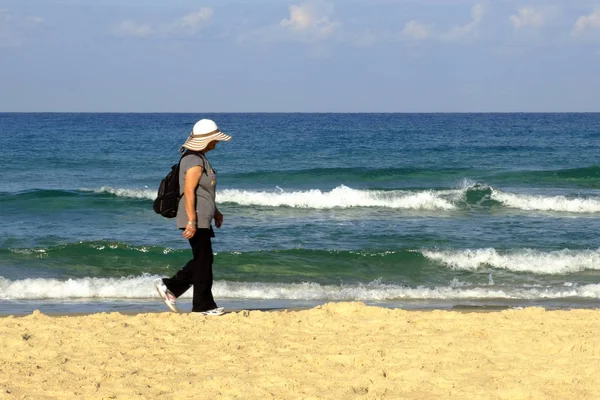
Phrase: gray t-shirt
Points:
(205, 192)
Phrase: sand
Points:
(335, 351)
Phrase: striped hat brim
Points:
(199, 142)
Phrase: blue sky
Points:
(299, 56)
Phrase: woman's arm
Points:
(192, 179)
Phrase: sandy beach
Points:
(334, 351)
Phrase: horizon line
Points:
(299, 112)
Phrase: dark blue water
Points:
(404, 210)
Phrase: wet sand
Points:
(335, 351)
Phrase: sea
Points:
(413, 211)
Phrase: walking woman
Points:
(197, 209)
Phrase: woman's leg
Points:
(203, 276)
(183, 279)
(197, 272)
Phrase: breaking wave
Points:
(470, 195)
(141, 287)
(558, 262)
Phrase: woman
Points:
(197, 208)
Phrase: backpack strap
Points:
(199, 154)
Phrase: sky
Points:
(299, 56)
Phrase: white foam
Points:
(141, 287)
(132, 193)
(340, 197)
(346, 197)
(547, 203)
(524, 260)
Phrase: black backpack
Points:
(167, 199)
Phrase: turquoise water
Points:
(401, 210)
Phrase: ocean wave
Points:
(575, 173)
(590, 174)
(581, 173)
(547, 203)
(584, 177)
(141, 287)
(112, 259)
(149, 194)
(340, 197)
(89, 249)
(558, 262)
(469, 195)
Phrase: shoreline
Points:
(273, 309)
(73, 307)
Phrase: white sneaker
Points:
(167, 297)
(214, 312)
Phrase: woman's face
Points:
(211, 146)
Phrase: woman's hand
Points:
(218, 219)
(189, 231)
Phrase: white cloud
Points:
(300, 18)
(188, 24)
(416, 30)
(461, 32)
(532, 17)
(587, 22)
(132, 28)
(310, 21)
(193, 21)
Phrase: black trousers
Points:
(197, 272)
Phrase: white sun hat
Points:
(204, 132)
